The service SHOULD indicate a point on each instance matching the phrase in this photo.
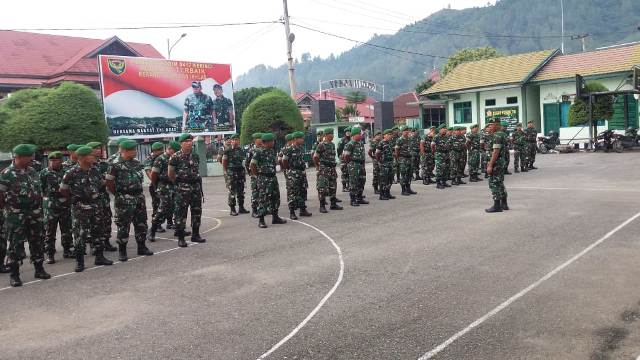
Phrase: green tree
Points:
(423, 86)
(70, 113)
(242, 99)
(466, 55)
(602, 106)
(349, 110)
(355, 98)
(274, 112)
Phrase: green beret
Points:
(432, 128)
(256, 136)
(328, 131)
(157, 146)
(121, 140)
(72, 147)
(355, 131)
(519, 124)
(474, 126)
(298, 135)
(234, 136)
(174, 145)
(287, 137)
(185, 137)
(450, 128)
(319, 132)
(378, 132)
(84, 151)
(55, 155)
(388, 131)
(23, 150)
(268, 137)
(128, 145)
(94, 144)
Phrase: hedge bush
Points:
(274, 112)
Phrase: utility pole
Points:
(290, 38)
(562, 19)
(583, 39)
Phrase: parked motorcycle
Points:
(546, 143)
(608, 140)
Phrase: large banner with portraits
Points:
(153, 98)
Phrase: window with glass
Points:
(462, 113)
(490, 102)
(512, 100)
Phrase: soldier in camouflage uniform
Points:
(344, 169)
(427, 161)
(485, 140)
(104, 215)
(165, 188)
(157, 149)
(222, 110)
(496, 168)
(465, 158)
(72, 160)
(519, 149)
(184, 171)
(263, 167)
(376, 165)
(319, 137)
(198, 110)
(415, 154)
(354, 155)
(124, 180)
(396, 163)
(327, 177)
(57, 209)
(404, 156)
(458, 147)
(473, 146)
(440, 149)
(384, 155)
(234, 174)
(257, 144)
(293, 163)
(4, 269)
(21, 200)
(531, 134)
(82, 186)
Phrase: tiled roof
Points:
(400, 107)
(514, 69)
(365, 109)
(604, 61)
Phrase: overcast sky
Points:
(241, 46)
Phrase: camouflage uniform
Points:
(376, 165)
(520, 150)
(105, 215)
(296, 177)
(327, 176)
(385, 150)
(57, 210)
(485, 142)
(199, 108)
(129, 200)
(473, 142)
(456, 155)
(427, 160)
(357, 174)
(496, 180)
(155, 201)
(235, 176)
(188, 190)
(252, 178)
(165, 190)
(404, 146)
(344, 169)
(415, 156)
(221, 107)
(266, 182)
(531, 135)
(441, 156)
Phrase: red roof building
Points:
(365, 109)
(35, 60)
(401, 108)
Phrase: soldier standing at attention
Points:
(124, 181)
(465, 158)
(496, 167)
(344, 170)
(57, 209)
(531, 134)
(415, 154)
(384, 154)
(222, 110)
(485, 142)
(21, 201)
(257, 144)
(165, 188)
(263, 167)
(353, 154)
(440, 150)
(319, 137)
(232, 162)
(404, 157)
(327, 177)
(473, 146)
(157, 148)
(198, 109)
(519, 149)
(73, 158)
(376, 165)
(184, 171)
(293, 162)
(455, 156)
(426, 157)
(105, 215)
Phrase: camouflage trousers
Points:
(386, 176)
(496, 183)
(415, 165)
(3, 240)
(55, 216)
(105, 217)
(187, 195)
(464, 161)
(376, 174)
(269, 194)
(474, 161)
(455, 157)
(131, 209)
(357, 178)
(344, 174)
(296, 189)
(166, 198)
(508, 159)
(427, 164)
(519, 158)
(442, 166)
(235, 179)
(88, 229)
(531, 154)
(254, 192)
(22, 225)
(405, 170)
(485, 156)
(327, 179)
(396, 166)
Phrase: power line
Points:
(147, 27)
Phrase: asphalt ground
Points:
(426, 276)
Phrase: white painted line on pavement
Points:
(522, 293)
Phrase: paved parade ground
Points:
(426, 276)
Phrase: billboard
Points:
(508, 114)
(153, 98)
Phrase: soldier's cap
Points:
(355, 131)
(387, 132)
(72, 147)
(443, 126)
(348, 130)
(529, 122)
(23, 150)
(432, 128)
(474, 126)
(298, 135)
(288, 137)
(121, 140)
(84, 151)
(196, 84)
(217, 86)
(268, 137)
(157, 146)
(94, 144)
(328, 131)
(185, 137)
(450, 129)
(519, 125)
(128, 145)
(54, 155)
(174, 145)
(378, 132)
(234, 136)
(319, 132)
(256, 136)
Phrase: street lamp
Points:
(169, 48)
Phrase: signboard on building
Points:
(508, 114)
(353, 83)
(356, 119)
(148, 98)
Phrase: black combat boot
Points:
(40, 273)
(375, 189)
(122, 252)
(152, 233)
(404, 190)
(504, 204)
(181, 241)
(445, 183)
(495, 208)
(524, 169)
(516, 169)
(261, 223)
(51, 259)
(79, 261)
(383, 195)
(196, 238)
(292, 214)
(233, 211)
(323, 206)
(101, 260)
(14, 276)
(184, 232)
(334, 204)
(254, 212)
(418, 177)
(464, 175)
(354, 201)
(361, 200)
(304, 212)
(460, 182)
(67, 253)
(425, 181)
(473, 178)
(276, 220)
(533, 167)
(161, 229)
(170, 223)
(439, 184)
(335, 199)
(345, 188)
(241, 209)
(410, 190)
(143, 249)
(108, 246)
